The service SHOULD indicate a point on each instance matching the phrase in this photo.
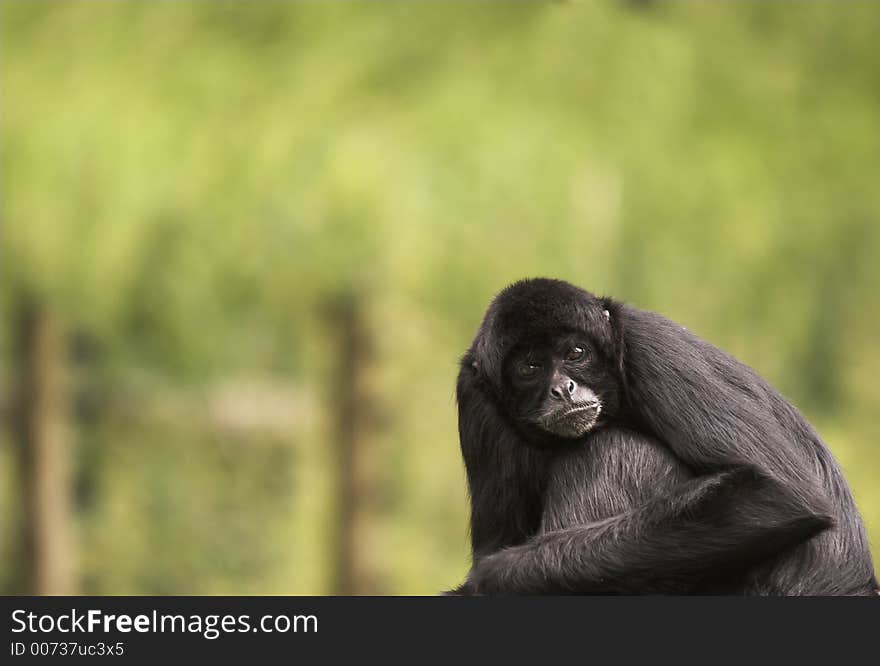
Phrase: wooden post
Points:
(349, 405)
(42, 435)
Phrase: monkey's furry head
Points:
(533, 309)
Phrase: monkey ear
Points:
(618, 347)
(487, 359)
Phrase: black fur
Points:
(707, 480)
(624, 470)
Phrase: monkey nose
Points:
(563, 390)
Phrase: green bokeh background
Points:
(191, 187)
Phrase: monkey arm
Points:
(716, 413)
(726, 523)
(505, 477)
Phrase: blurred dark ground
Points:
(244, 245)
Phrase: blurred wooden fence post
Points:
(349, 405)
(44, 452)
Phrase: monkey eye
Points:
(575, 354)
(527, 370)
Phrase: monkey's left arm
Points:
(716, 414)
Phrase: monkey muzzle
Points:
(572, 420)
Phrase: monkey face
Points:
(561, 385)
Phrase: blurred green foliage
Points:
(189, 185)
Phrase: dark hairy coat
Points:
(713, 482)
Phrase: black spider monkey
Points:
(609, 450)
